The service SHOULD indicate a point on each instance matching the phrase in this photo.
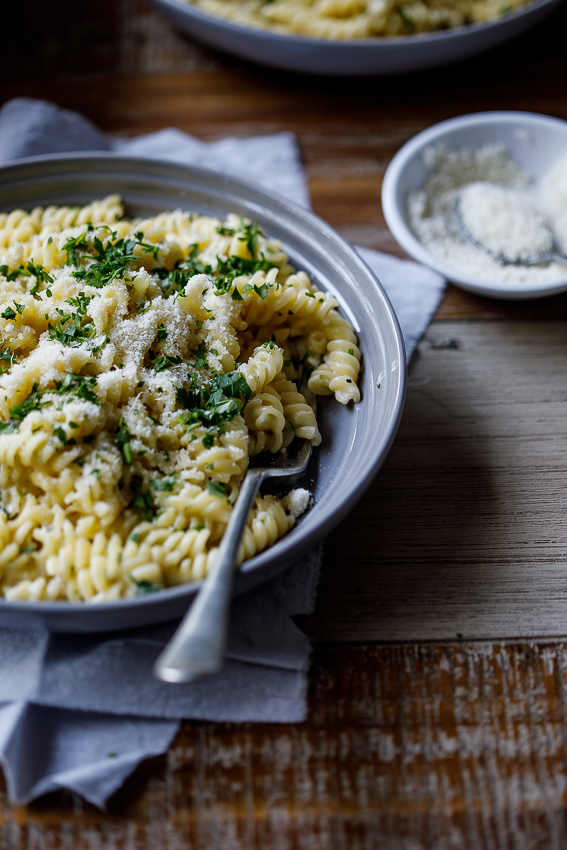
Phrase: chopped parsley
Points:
(31, 402)
(122, 440)
(216, 404)
(73, 385)
(76, 248)
(40, 274)
(7, 356)
(175, 280)
(82, 386)
(201, 358)
(160, 362)
(81, 302)
(143, 588)
(8, 427)
(11, 275)
(70, 331)
(408, 23)
(250, 236)
(143, 499)
(188, 398)
(165, 484)
(107, 261)
(62, 436)
(215, 488)
(232, 267)
(262, 291)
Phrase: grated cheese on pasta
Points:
(142, 364)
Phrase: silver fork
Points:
(197, 648)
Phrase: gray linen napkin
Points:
(81, 712)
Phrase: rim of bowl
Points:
(323, 528)
(344, 44)
(396, 218)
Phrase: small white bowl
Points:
(534, 142)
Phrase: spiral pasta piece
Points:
(262, 367)
(338, 373)
(296, 410)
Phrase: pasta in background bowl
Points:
(347, 20)
(149, 369)
(353, 37)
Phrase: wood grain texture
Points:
(406, 748)
(464, 529)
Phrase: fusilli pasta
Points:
(345, 20)
(142, 364)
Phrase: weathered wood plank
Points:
(464, 529)
(406, 748)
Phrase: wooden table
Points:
(438, 709)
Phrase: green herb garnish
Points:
(11, 275)
(122, 440)
(215, 488)
(143, 588)
(165, 484)
(143, 499)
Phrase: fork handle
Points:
(196, 651)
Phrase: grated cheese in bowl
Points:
(501, 208)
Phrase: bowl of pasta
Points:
(353, 37)
(160, 327)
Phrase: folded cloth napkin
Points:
(80, 712)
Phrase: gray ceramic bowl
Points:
(355, 439)
(349, 58)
